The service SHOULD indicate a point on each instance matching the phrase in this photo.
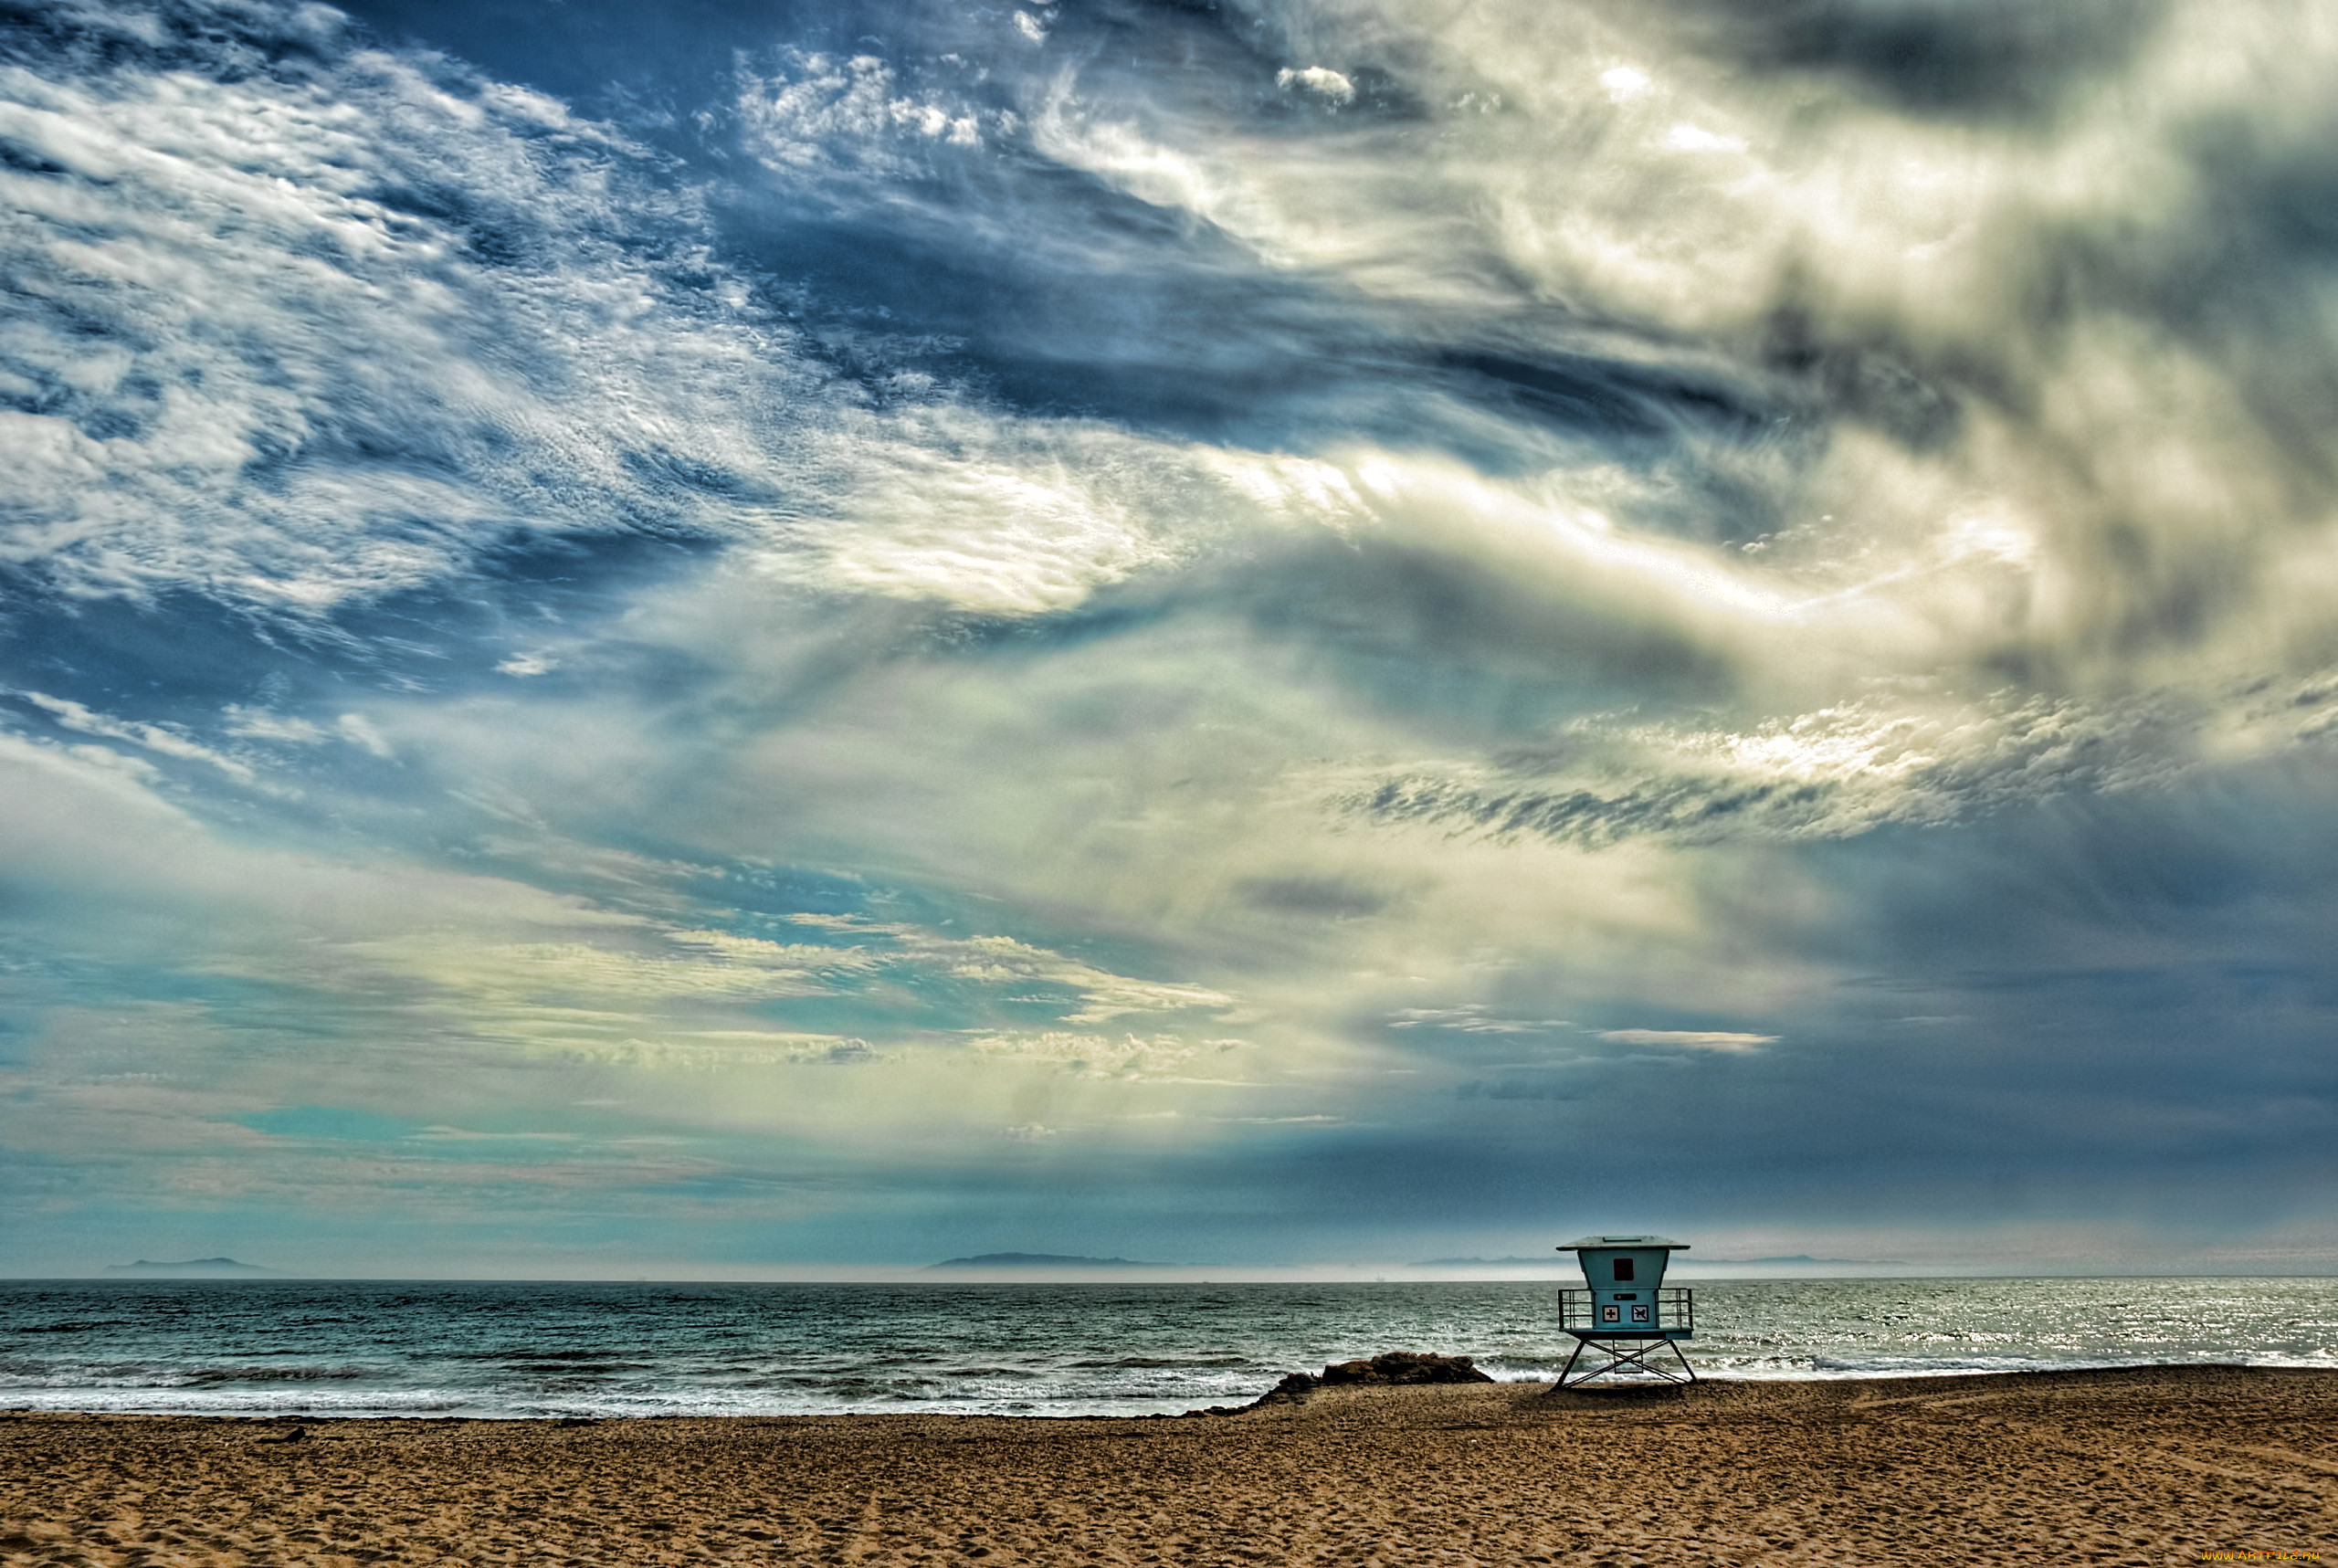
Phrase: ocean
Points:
(327, 1348)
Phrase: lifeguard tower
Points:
(1627, 1312)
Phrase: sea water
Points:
(352, 1348)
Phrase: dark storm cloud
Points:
(1959, 58)
(2118, 1003)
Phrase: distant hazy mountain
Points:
(1041, 1260)
(1799, 1258)
(199, 1267)
(1567, 1260)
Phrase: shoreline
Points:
(920, 1410)
(2142, 1465)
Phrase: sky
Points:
(733, 639)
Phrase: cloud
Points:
(358, 730)
(1160, 1059)
(820, 115)
(1687, 138)
(1855, 768)
(1868, 273)
(318, 330)
(1931, 59)
(1103, 997)
(1320, 81)
(1692, 1040)
(1624, 83)
(1047, 572)
(162, 740)
(1470, 1018)
(259, 724)
(997, 517)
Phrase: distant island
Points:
(1565, 1262)
(212, 1267)
(1040, 1260)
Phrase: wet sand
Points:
(2147, 1466)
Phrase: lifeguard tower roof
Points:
(1580, 1243)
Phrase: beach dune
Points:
(2138, 1466)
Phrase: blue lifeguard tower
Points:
(1627, 1312)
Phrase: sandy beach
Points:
(2145, 1465)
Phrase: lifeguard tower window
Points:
(1623, 1269)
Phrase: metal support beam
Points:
(1620, 1354)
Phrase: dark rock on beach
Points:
(1405, 1366)
(1389, 1367)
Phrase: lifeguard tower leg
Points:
(1627, 1355)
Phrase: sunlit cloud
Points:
(1690, 1039)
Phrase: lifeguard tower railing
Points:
(1668, 1312)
